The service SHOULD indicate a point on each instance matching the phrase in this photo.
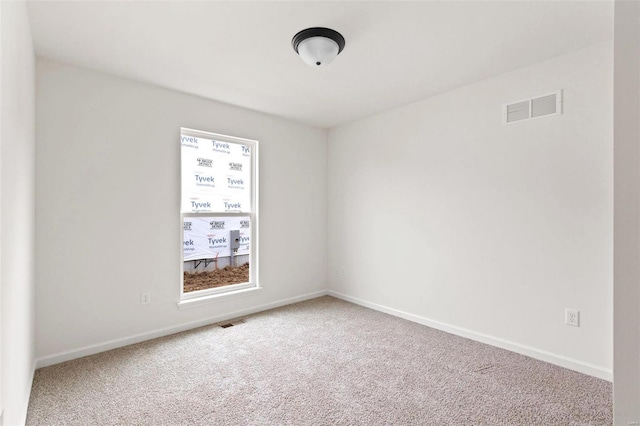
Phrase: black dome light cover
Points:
(318, 32)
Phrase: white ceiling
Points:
(240, 52)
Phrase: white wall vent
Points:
(540, 106)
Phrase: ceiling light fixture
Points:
(318, 46)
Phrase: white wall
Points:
(17, 115)
(626, 384)
(108, 158)
(441, 212)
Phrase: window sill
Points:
(213, 298)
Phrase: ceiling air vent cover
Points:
(539, 106)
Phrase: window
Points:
(218, 213)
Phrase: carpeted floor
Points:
(320, 362)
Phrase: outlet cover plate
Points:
(572, 317)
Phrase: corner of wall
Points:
(17, 210)
(626, 338)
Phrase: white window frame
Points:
(194, 298)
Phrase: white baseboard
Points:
(137, 338)
(33, 374)
(560, 360)
(25, 406)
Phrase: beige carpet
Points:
(320, 362)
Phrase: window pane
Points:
(216, 176)
(216, 251)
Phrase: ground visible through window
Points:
(216, 278)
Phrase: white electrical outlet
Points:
(572, 317)
(145, 298)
